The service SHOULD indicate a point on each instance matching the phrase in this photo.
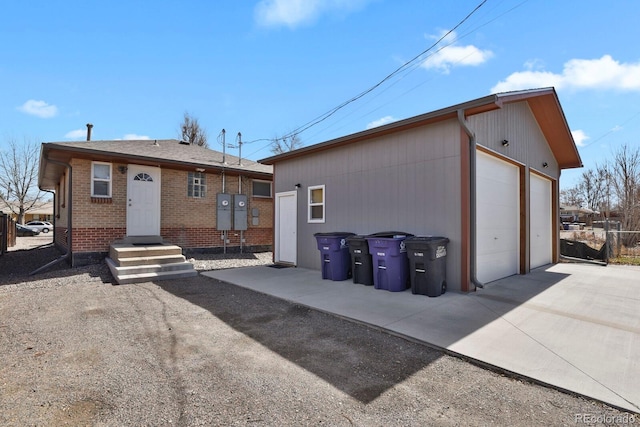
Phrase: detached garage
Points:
(483, 173)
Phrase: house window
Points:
(143, 177)
(100, 179)
(197, 185)
(316, 203)
(261, 188)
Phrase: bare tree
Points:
(19, 178)
(286, 143)
(192, 132)
(625, 181)
(571, 196)
(593, 187)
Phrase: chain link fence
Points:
(623, 247)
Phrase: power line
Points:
(612, 130)
(398, 70)
(329, 113)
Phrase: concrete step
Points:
(137, 240)
(119, 251)
(146, 260)
(144, 273)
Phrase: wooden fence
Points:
(7, 233)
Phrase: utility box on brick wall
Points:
(223, 211)
(239, 212)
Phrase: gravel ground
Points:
(78, 350)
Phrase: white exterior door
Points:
(143, 201)
(286, 226)
(540, 231)
(497, 218)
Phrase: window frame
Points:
(262, 181)
(311, 204)
(201, 185)
(109, 181)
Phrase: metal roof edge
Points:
(496, 99)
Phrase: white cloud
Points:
(39, 109)
(293, 13)
(602, 73)
(76, 134)
(381, 121)
(579, 137)
(449, 54)
(133, 136)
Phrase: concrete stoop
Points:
(132, 262)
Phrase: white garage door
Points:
(497, 218)
(541, 222)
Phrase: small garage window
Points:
(261, 188)
(100, 179)
(316, 203)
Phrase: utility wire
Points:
(329, 113)
(417, 64)
(398, 70)
(610, 131)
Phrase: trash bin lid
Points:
(333, 234)
(390, 235)
(421, 241)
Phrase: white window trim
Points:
(197, 183)
(94, 179)
(310, 205)
(270, 196)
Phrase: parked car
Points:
(22, 231)
(41, 226)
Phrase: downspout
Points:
(472, 199)
(66, 255)
(53, 193)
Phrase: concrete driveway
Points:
(572, 326)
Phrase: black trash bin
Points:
(361, 266)
(334, 255)
(427, 265)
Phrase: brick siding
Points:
(185, 221)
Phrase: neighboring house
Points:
(485, 170)
(41, 212)
(109, 190)
(578, 214)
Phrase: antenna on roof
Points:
(224, 146)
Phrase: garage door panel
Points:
(497, 216)
(540, 231)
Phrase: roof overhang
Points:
(53, 158)
(544, 105)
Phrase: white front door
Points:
(286, 227)
(540, 230)
(497, 218)
(143, 201)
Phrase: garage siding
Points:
(409, 181)
(516, 124)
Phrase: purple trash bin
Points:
(389, 260)
(334, 255)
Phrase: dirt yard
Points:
(79, 350)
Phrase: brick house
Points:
(181, 194)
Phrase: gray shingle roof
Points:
(164, 151)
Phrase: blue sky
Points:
(265, 68)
